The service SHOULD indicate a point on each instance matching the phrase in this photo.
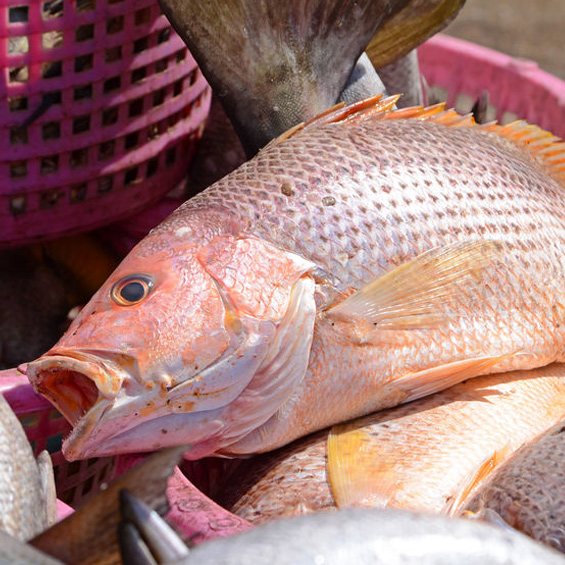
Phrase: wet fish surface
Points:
(368, 536)
(27, 489)
(367, 259)
(429, 455)
(527, 490)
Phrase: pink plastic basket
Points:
(456, 70)
(127, 103)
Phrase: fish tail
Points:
(287, 60)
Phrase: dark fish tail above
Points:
(275, 64)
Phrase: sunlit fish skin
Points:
(527, 490)
(367, 259)
(429, 455)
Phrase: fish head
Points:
(165, 351)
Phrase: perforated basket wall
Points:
(456, 70)
(123, 102)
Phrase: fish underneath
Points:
(365, 259)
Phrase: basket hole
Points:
(114, 1)
(152, 166)
(130, 176)
(18, 44)
(142, 16)
(81, 124)
(52, 69)
(136, 107)
(78, 193)
(113, 83)
(171, 156)
(174, 119)
(138, 74)
(158, 97)
(131, 141)
(79, 158)
(49, 198)
(87, 485)
(18, 74)
(161, 65)
(51, 39)
(18, 136)
(84, 33)
(84, 63)
(18, 205)
(18, 14)
(110, 116)
(51, 130)
(141, 44)
(164, 35)
(180, 56)
(177, 88)
(106, 150)
(18, 169)
(83, 92)
(115, 25)
(17, 104)
(52, 9)
(113, 54)
(105, 184)
(49, 165)
(85, 5)
(193, 77)
(153, 132)
(73, 468)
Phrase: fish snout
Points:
(75, 381)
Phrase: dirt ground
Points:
(531, 29)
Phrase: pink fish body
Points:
(366, 259)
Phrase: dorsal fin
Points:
(546, 148)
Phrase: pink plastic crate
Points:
(457, 71)
(127, 100)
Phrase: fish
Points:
(360, 535)
(90, 534)
(430, 455)
(273, 65)
(27, 487)
(369, 258)
(525, 492)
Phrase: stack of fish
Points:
(367, 258)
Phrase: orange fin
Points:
(475, 479)
(413, 295)
(546, 148)
(423, 383)
(360, 474)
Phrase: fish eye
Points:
(131, 289)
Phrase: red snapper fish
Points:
(366, 259)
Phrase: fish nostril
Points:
(71, 392)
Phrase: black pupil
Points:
(133, 291)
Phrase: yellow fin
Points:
(413, 295)
(359, 472)
(423, 383)
(473, 480)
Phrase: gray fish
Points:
(27, 489)
(360, 536)
(527, 490)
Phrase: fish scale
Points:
(368, 258)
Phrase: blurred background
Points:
(531, 29)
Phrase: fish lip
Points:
(75, 382)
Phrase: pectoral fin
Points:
(414, 295)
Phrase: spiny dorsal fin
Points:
(546, 148)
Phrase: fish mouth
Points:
(74, 382)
